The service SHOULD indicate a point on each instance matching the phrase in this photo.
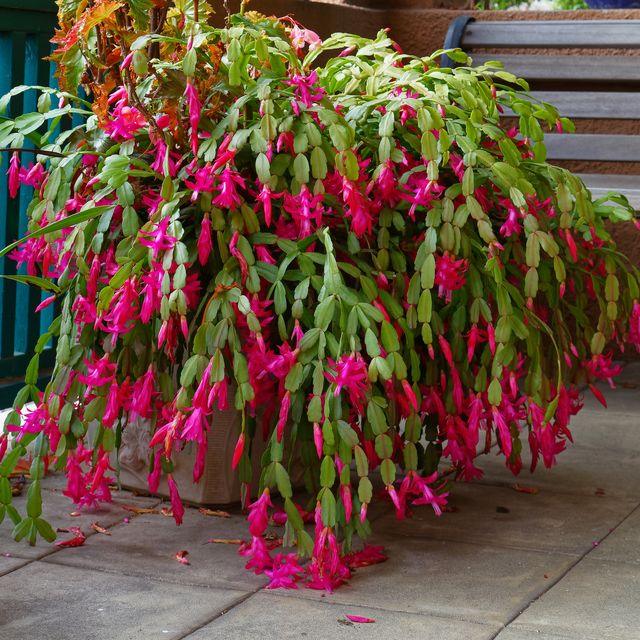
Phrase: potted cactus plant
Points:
(355, 255)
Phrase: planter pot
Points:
(219, 484)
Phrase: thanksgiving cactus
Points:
(359, 255)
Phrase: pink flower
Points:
(327, 569)
(318, 440)
(285, 572)
(511, 225)
(258, 517)
(284, 415)
(90, 488)
(158, 240)
(100, 371)
(205, 243)
(34, 176)
(153, 479)
(450, 274)
(176, 503)
(503, 431)
(238, 451)
(301, 37)
(420, 485)
(228, 183)
(306, 89)
(345, 496)
(14, 174)
(358, 208)
(126, 122)
(195, 426)
(305, 210)
(424, 192)
(162, 154)
(122, 313)
(350, 374)
(204, 181)
(194, 107)
(258, 553)
(601, 367)
(144, 392)
(238, 255)
(634, 325)
(45, 303)
(363, 512)
(571, 244)
(410, 394)
(266, 196)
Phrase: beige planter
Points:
(219, 484)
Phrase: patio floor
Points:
(561, 563)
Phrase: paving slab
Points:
(595, 600)
(7, 565)
(623, 545)
(274, 617)
(623, 399)
(480, 584)
(604, 429)
(64, 603)
(520, 632)
(57, 509)
(501, 516)
(580, 470)
(147, 546)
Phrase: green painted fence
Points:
(26, 26)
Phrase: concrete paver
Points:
(147, 546)
(7, 565)
(502, 516)
(482, 584)
(623, 545)
(64, 603)
(273, 617)
(57, 509)
(595, 600)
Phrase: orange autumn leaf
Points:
(98, 529)
(139, 510)
(214, 512)
(524, 489)
(92, 17)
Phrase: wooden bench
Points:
(590, 86)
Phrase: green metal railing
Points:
(26, 27)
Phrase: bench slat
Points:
(593, 146)
(599, 184)
(599, 69)
(597, 104)
(609, 34)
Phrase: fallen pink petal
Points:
(360, 619)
